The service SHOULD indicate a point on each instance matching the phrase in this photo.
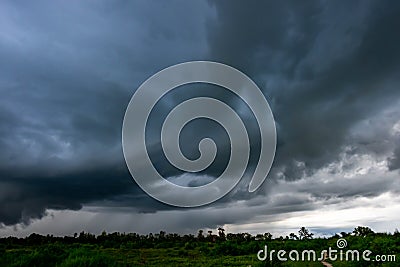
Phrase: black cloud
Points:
(67, 72)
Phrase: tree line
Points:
(150, 239)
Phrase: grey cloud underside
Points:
(23, 199)
(67, 72)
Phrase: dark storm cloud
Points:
(24, 199)
(324, 67)
(394, 161)
(68, 70)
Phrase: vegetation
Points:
(162, 249)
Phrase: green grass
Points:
(97, 257)
(93, 255)
(173, 250)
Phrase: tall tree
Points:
(304, 234)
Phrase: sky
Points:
(329, 71)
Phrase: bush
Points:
(49, 255)
(88, 261)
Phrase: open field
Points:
(118, 249)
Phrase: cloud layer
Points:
(68, 70)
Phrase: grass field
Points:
(162, 249)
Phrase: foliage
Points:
(165, 249)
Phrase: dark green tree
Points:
(304, 234)
(362, 231)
